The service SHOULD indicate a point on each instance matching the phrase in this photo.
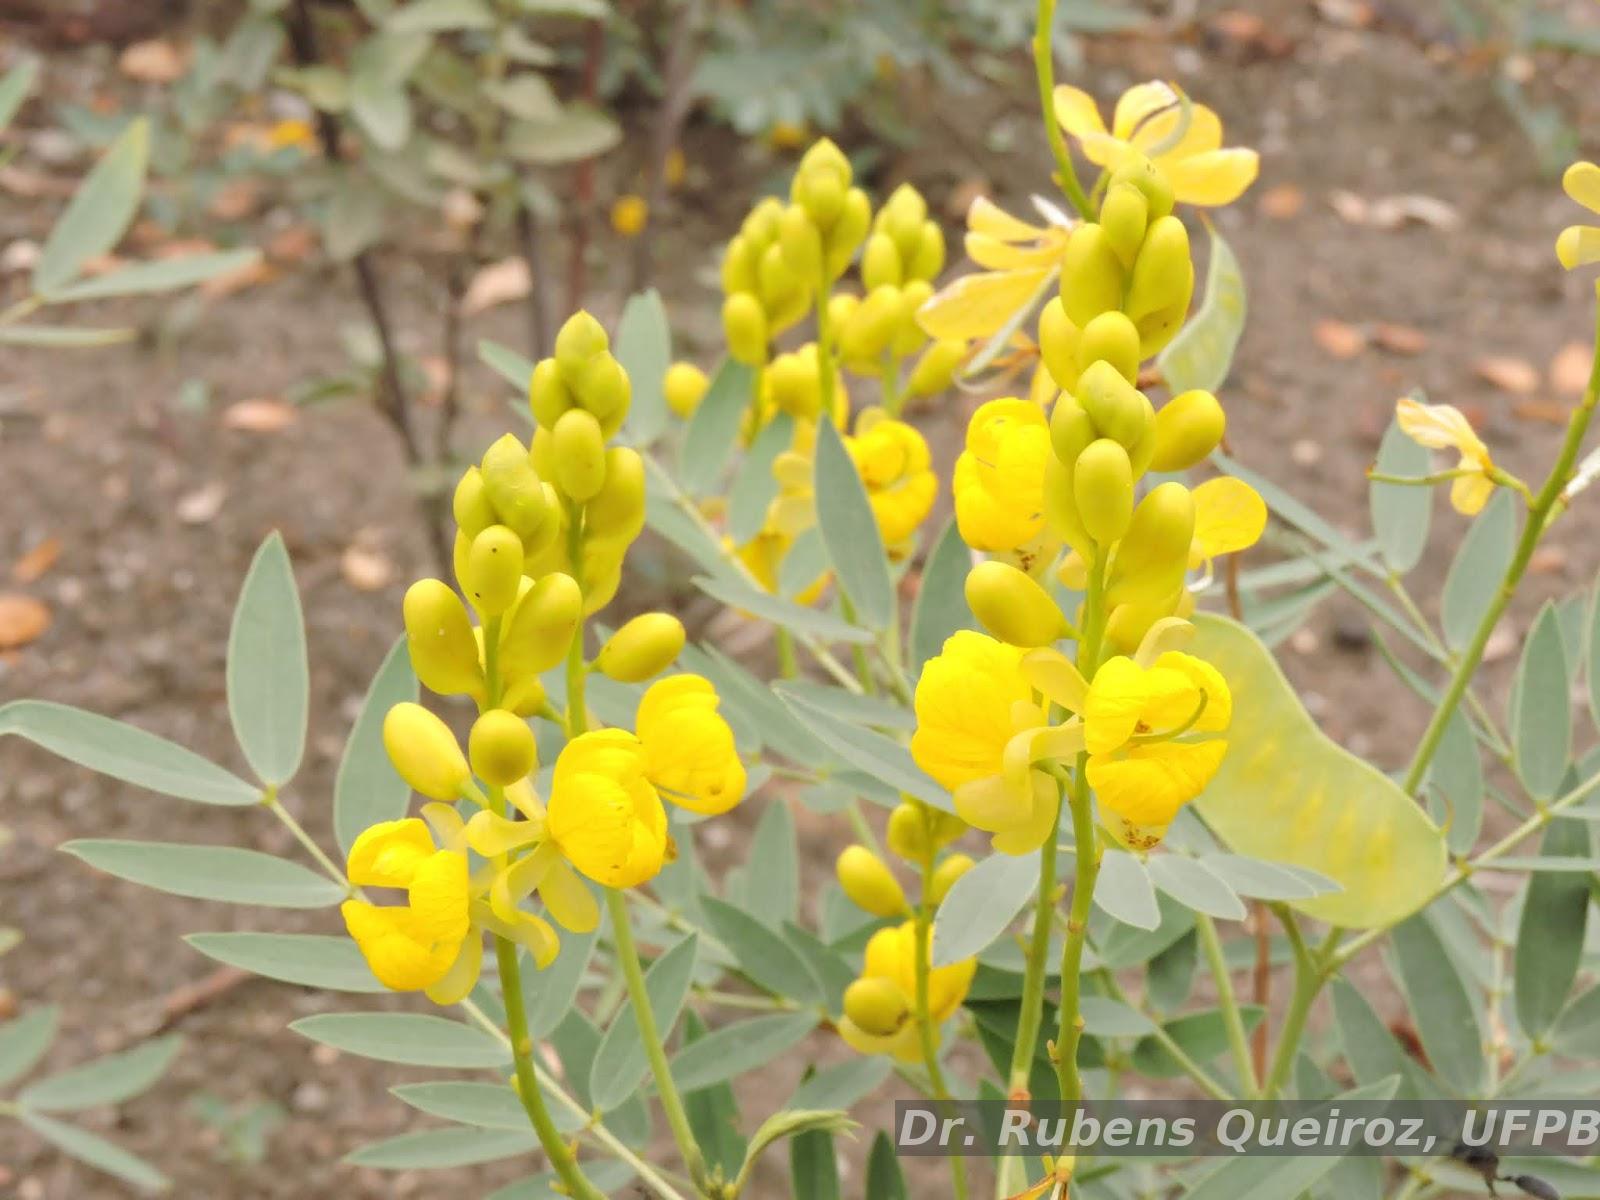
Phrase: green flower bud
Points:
(617, 510)
(579, 339)
(606, 392)
(1154, 555)
(515, 489)
(538, 632)
(1149, 179)
(1125, 216)
(1061, 507)
(1119, 410)
(1058, 343)
(1110, 338)
(1091, 275)
(1163, 272)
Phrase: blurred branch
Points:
(583, 179)
(532, 250)
(683, 53)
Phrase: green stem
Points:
(1031, 1015)
(1207, 1082)
(1308, 979)
(1070, 1027)
(1227, 1001)
(858, 652)
(926, 1032)
(893, 399)
(650, 1035)
(577, 706)
(788, 667)
(1044, 67)
(270, 801)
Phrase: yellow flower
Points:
(896, 468)
(891, 956)
(629, 215)
(604, 815)
(1444, 427)
(788, 135)
(292, 132)
(1579, 245)
(999, 477)
(1019, 258)
(1146, 118)
(688, 746)
(415, 946)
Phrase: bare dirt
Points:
(95, 452)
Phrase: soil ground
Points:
(94, 452)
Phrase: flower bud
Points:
(425, 752)
(902, 216)
(1110, 338)
(1102, 487)
(936, 369)
(880, 262)
(869, 883)
(1163, 272)
(1119, 410)
(1160, 327)
(744, 325)
(1012, 606)
(579, 454)
(501, 748)
(908, 832)
(876, 1006)
(684, 387)
(1125, 216)
(909, 337)
(1188, 428)
(548, 393)
(580, 339)
(1061, 507)
(760, 227)
(1071, 429)
(1149, 179)
(928, 260)
(539, 631)
(738, 266)
(470, 506)
(645, 646)
(1154, 555)
(801, 243)
(494, 569)
(867, 334)
(847, 233)
(617, 510)
(444, 653)
(1058, 343)
(515, 490)
(1091, 275)
(945, 875)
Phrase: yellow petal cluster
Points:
(1445, 427)
(890, 964)
(1579, 245)
(999, 478)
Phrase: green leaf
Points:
(941, 605)
(1593, 656)
(1105, 1017)
(413, 1039)
(378, 99)
(96, 1152)
(1400, 512)
(108, 1080)
(713, 1114)
(734, 1049)
(25, 1040)
(831, 969)
(60, 337)
(1541, 709)
(528, 97)
(1289, 794)
(99, 212)
(985, 902)
(1287, 508)
(14, 88)
(484, 1105)
(715, 426)
(1265, 880)
(368, 789)
(1191, 883)
(813, 1165)
(548, 994)
(773, 863)
(643, 346)
(1202, 353)
(355, 218)
(1475, 572)
(224, 873)
(1550, 940)
(506, 363)
(620, 1063)
(1371, 1051)
(850, 531)
(884, 1178)
(311, 960)
(438, 16)
(1457, 773)
(760, 953)
(1441, 1007)
(1203, 1036)
(754, 485)
(1577, 1031)
(608, 1174)
(269, 686)
(1170, 975)
(1124, 891)
(841, 1085)
(124, 752)
(577, 133)
(785, 614)
(435, 1149)
(162, 275)
(880, 757)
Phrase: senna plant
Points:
(1072, 772)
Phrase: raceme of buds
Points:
(905, 245)
(582, 374)
(763, 294)
(838, 215)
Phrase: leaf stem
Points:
(926, 1031)
(1044, 68)
(1227, 1001)
(271, 802)
(1069, 1031)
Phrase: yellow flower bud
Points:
(1061, 506)
(744, 325)
(645, 646)
(1125, 216)
(501, 748)
(928, 259)
(425, 752)
(1188, 428)
(869, 883)
(1163, 272)
(684, 386)
(760, 227)
(629, 215)
(902, 216)
(876, 1006)
(539, 630)
(470, 505)
(801, 245)
(579, 452)
(1058, 343)
(617, 511)
(867, 334)
(515, 490)
(444, 653)
(739, 266)
(1012, 606)
(494, 570)
(848, 232)
(936, 369)
(1110, 338)
(548, 393)
(1091, 275)
(880, 262)
(1154, 555)
(1119, 410)
(945, 875)
(917, 832)
(1148, 178)
(1071, 429)
(1102, 486)
(606, 392)
(580, 339)
(909, 337)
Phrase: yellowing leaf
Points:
(1287, 793)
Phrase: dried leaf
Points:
(1399, 339)
(1391, 212)
(22, 619)
(153, 61)
(37, 561)
(260, 415)
(1569, 369)
(255, 272)
(202, 505)
(1550, 412)
(1338, 339)
(1509, 374)
(1350, 14)
(1282, 202)
(1548, 560)
(498, 283)
(1351, 208)
(292, 245)
(365, 567)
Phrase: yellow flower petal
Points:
(569, 899)
(1229, 516)
(977, 306)
(1053, 674)
(963, 705)
(1077, 111)
(1440, 427)
(1040, 823)
(492, 835)
(1203, 135)
(1137, 105)
(689, 749)
(388, 854)
(1578, 246)
(1215, 177)
(1469, 493)
(998, 482)
(1115, 702)
(1147, 785)
(1582, 183)
(1218, 713)
(604, 814)
(462, 976)
(397, 952)
(989, 219)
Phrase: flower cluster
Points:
(1055, 480)
(543, 530)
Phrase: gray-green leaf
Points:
(309, 959)
(367, 789)
(225, 873)
(850, 531)
(1400, 512)
(99, 212)
(984, 902)
(269, 684)
(413, 1039)
(1541, 709)
(108, 1080)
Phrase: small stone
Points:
(1351, 635)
